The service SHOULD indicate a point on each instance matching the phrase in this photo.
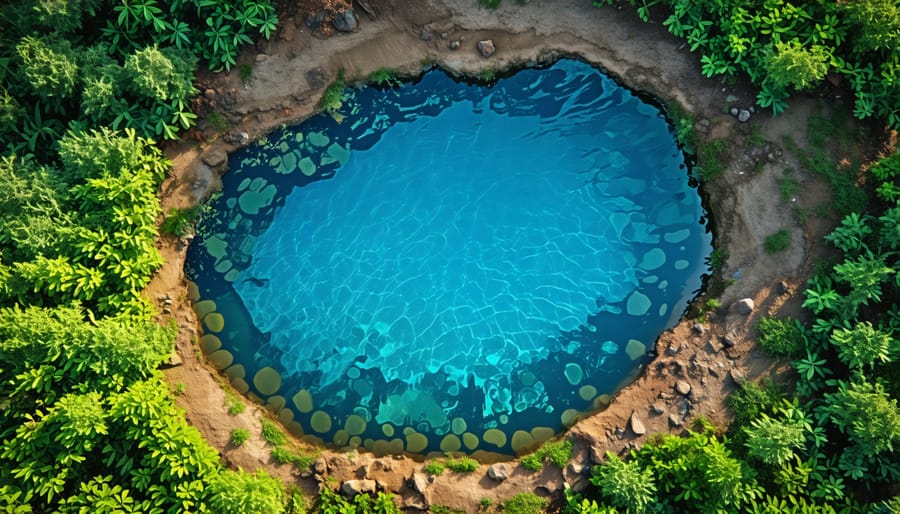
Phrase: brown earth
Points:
(288, 77)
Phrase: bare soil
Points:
(289, 74)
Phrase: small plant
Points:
(462, 464)
(781, 337)
(272, 433)
(557, 452)
(180, 222)
(710, 159)
(683, 123)
(239, 436)
(755, 139)
(234, 404)
(525, 503)
(777, 242)
(716, 260)
(179, 389)
(297, 502)
(284, 455)
(332, 98)
(218, 122)
(487, 75)
(490, 4)
(486, 503)
(787, 186)
(245, 72)
(384, 77)
(434, 468)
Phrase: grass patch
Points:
(777, 242)
(180, 222)
(384, 77)
(285, 455)
(233, 403)
(218, 122)
(435, 468)
(239, 436)
(557, 452)
(462, 464)
(755, 138)
(272, 433)
(487, 75)
(332, 98)
(490, 4)
(787, 186)
(717, 259)
(683, 123)
(711, 159)
(780, 337)
(525, 503)
(245, 72)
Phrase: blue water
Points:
(443, 259)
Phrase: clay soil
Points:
(289, 74)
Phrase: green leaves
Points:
(862, 346)
(624, 484)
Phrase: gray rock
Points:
(783, 287)
(346, 21)
(734, 111)
(657, 409)
(316, 78)
(683, 387)
(672, 350)
(738, 376)
(498, 472)
(731, 99)
(487, 47)
(743, 115)
(698, 328)
(315, 21)
(454, 45)
(444, 35)
(743, 306)
(240, 137)
(425, 35)
(353, 487)
(420, 481)
(727, 341)
(637, 426)
(216, 159)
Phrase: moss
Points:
(462, 465)
(557, 452)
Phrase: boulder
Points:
(683, 387)
(215, 159)
(420, 481)
(674, 421)
(353, 487)
(738, 376)
(316, 78)
(637, 426)
(346, 21)
(657, 408)
(743, 306)
(315, 20)
(498, 472)
(486, 47)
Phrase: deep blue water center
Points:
(451, 266)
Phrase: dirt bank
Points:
(288, 77)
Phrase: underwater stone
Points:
(209, 343)
(240, 385)
(303, 401)
(458, 426)
(223, 266)
(635, 349)
(285, 416)
(288, 163)
(204, 307)
(307, 166)
(341, 438)
(193, 292)
(638, 304)
(470, 440)
(395, 446)
(416, 442)
(355, 425)
(276, 403)
(587, 393)
(387, 429)
(216, 247)
(232, 275)
(573, 373)
(654, 259)
(450, 443)
(568, 417)
(317, 139)
(236, 371)
(495, 437)
(221, 359)
(521, 441)
(681, 264)
(602, 401)
(214, 322)
(267, 381)
(677, 236)
(541, 434)
(338, 153)
(320, 421)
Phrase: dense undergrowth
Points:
(88, 425)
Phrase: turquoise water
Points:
(446, 262)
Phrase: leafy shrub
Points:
(557, 452)
(434, 468)
(777, 242)
(384, 77)
(272, 433)
(234, 492)
(525, 503)
(332, 98)
(239, 436)
(179, 222)
(462, 464)
(781, 337)
(773, 440)
(710, 163)
(234, 404)
(625, 484)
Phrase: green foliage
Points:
(385, 77)
(330, 502)
(435, 467)
(850, 237)
(242, 493)
(710, 163)
(866, 414)
(462, 464)
(772, 440)
(790, 64)
(752, 400)
(180, 222)
(245, 73)
(272, 433)
(557, 452)
(332, 98)
(49, 67)
(878, 23)
(490, 4)
(525, 503)
(863, 345)
(234, 403)
(781, 337)
(777, 242)
(239, 436)
(624, 484)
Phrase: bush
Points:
(525, 503)
(233, 492)
(783, 338)
(752, 400)
(272, 433)
(557, 452)
(179, 222)
(434, 468)
(284, 455)
(777, 242)
(239, 436)
(462, 465)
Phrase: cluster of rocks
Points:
(485, 47)
(344, 21)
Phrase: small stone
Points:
(743, 115)
(683, 387)
(743, 306)
(620, 432)
(576, 467)
(320, 467)
(734, 111)
(738, 376)
(674, 421)
(664, 396)
(425, 35)
(316, 78)
(498, 472)
(714, 346)
(727, 341)
(698, 328)
(637, 426)
(486, 47)
(353, 487)
(672, 350)
(657, 409)
(444, 35)
(454, 45)
(261, 57)
(240, 137)
(315, 21)
(346, 21)
(209, 93)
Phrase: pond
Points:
(445, 266)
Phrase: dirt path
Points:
(288, 77)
